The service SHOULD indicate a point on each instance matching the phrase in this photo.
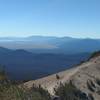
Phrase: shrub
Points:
(90, 86)
(98, 81)
(90, 97)
(95, 54)
(13, 92)
(2, 73)
(57, 76)
(42, 94)
(70, 92)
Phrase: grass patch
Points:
(70, 92)
(13, 92)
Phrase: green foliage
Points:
(2, 73)
(13, 92)
(42, 94)
(70, 92)
(9, 90)
(95, 54)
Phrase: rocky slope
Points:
(85, 76)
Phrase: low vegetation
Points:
(57, 77)
(90, 96)
(98, 81)
(95, 54)
(70, 92)
(9, 91)
(13, 92)
(91, 86)
(2, 73)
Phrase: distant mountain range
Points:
(42, 44)
(36, 56)
(21, 64)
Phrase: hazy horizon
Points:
(73, 18)
(49, 36)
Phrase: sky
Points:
(75, 18)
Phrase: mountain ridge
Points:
(24, 65)
(85, 77)
(43, 44)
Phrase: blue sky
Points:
(76, 18)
